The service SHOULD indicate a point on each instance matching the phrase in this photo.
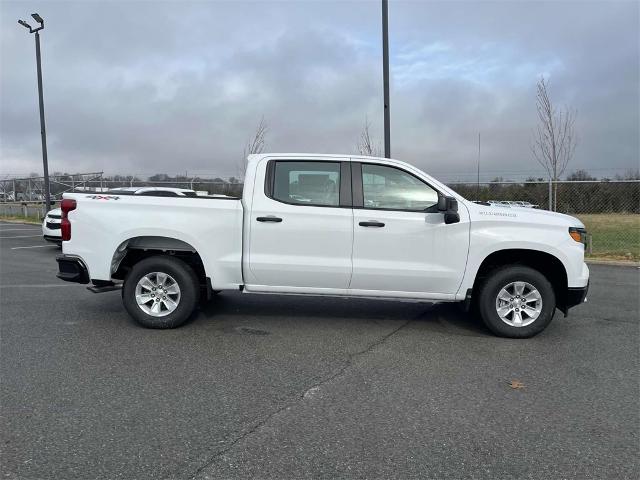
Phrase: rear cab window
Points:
(310, 183)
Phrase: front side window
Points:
(390, 188)
(307, 183)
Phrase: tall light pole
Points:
(43, 131)
(478, 165)
(385, 75)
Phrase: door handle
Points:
(269, 219)
(372, 223)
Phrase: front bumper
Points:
(52, 239)
(576, 296)
(72, 269)
(51, 234)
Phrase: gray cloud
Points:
(144, 87)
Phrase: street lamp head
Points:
(25, 24)
(37, 18)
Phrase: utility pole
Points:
(385, 75)
(43, 130)
(478, 164)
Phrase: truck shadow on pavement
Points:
(230, 308)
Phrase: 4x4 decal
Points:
(103, 197)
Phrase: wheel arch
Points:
(545, 263)
(134, 249)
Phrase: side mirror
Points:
(449, 206)
(442, 203)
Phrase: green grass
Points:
(20, 218)
(615, 236)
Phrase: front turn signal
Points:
(578, 234)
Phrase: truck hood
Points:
(522, 215)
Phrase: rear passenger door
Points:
(301, 226)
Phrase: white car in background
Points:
(51, 225)
(155, 191)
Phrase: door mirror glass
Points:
(447, 204)
(452, 205)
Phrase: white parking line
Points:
(24, 236)
(34, 246)
(48, 285)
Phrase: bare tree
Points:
(255, 144)
(365, 145)
(554, 140)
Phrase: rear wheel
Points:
(161, 292)
(517, 302)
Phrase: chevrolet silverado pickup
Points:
(332, 225)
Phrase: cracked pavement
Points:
(294, 387)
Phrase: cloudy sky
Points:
(146, 87)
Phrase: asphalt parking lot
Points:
(295, 387)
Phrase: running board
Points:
(105, 288)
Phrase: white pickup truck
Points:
(333, 225)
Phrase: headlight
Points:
(579, 235)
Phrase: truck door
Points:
(300, 226)
(401, 243)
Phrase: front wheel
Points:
(160, 292)
(517, 302)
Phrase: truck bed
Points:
(210, 226)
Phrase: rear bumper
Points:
(72, 269)
(576, 296)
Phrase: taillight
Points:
(66, 206)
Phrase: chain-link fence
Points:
(30, 189)
(24, 210)
(609, 209)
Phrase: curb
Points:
(24, 222)
(613, 263)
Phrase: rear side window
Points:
(307, 183)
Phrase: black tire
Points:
(183, 275)
(504, 276)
